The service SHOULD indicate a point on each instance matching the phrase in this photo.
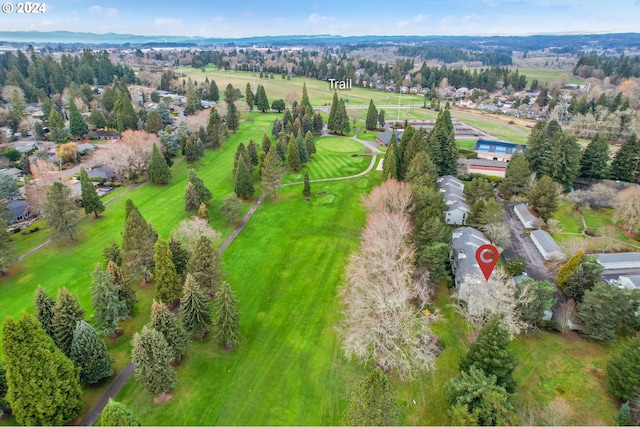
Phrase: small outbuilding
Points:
(524, 215)
(546, 245)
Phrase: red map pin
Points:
(487, 257)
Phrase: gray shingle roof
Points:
(465, 241)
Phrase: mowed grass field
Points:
(285, 267)
(333, 159)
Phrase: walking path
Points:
(128, 370)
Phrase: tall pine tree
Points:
(305, 103)
(306, 190)
(205, 266)
(302, 148)
(159, 172)
(372, 116)
(626, 164)
(151, 357)
(310, 143)
(243, 182)
(90, 200)
(191, 198)
(77, 126)
(166, 280)
(333, 123)
(126, 293)
(227, 319)
(373, 402)
(106, 302)
(89, 353)
(293, 154)
(271, 173)
(61, 212)
(195, 309)
(66, 313)
(43, 385)
(43, 304)
(138, 240)
(163, 321)
(595, 158)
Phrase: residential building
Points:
(548, 247)
(452, 190)
(623, 263)
(497, 150)
(485, 167)
(385, 138)
(525, 216)
(19, 210)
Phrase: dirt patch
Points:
(164, 397)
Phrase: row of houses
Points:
(452, 190)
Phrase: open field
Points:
(543, 75)
(285, 268)
(333, 159)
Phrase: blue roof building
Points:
(497, 150)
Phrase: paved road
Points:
(524, 247)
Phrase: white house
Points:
(457, 212)
(452, 190)
(524, 215)
(546, 245)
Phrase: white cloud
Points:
(416, 20)
(160, 22)
(110, 12)
(247, 13)
(316, 17)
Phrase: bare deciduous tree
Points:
(498, 233)
(130, 155)
(380, 323)
(44, 174)
(391, 196)
(627, 206)
(188, 231)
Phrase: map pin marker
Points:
(487, 257)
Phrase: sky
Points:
(238, 18)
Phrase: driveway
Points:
(523, 246)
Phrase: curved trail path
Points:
(127, 372)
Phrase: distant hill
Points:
(559, 42)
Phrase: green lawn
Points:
(333, 159)
(285, 267)
(569, 219)
(467, 144)
(368, 135)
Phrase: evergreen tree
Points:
(203, 212)
(179, 256)
(310, 143)
(381, 121)
(569, 268)
(154, 123)
(566, 154)
(490, 354)
(163, 321)
(261, 101)
(516, 180)
(233, 118)
(167, 282)
(138, 240)
(194, 309)
(389, 167)
(603, 309)
(43, 385)
(106, 302)
(243, 182)
(241, 153)
(96, 119)
(191, 198)
(421, 170)
(595, 158)
(476, 399)
(625, 165)
(66, 313)
(306, 191)
(343, 118)
(231, 208)
(159, 172)
(214, 92)
(318, 123)
(281, 146)
(302, 148)
(125, 292)
(584, 278)
(266, 143)
(90, 199)
(43, 304)
(252, 151)
(271, 173)
(164, 113)
(543, 198)
(112, 252)
(77, 126)
(305, 103)
(373, 402)
(60, 211)
(151, 357)
(227, 318)
(193, 150)
(204, 265)
(116, 414)
(215, 130)
(542, 300)
(333, 123)
(372, 116)
(248, 96)
(4, 405)
(89, 353)
(125, 115)
(293, 154)
(434, 257)
(204, 194)
(57, 130)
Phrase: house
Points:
(385, 138)
(524, 215)
(452, 190)
(465, 242)
(19, 210)
(15, 173)
(497, 150)
(485, 167)
(546, 245)
(26, 146)
(103, 134)
(104, 172)
(85, 148)
(620, 263)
